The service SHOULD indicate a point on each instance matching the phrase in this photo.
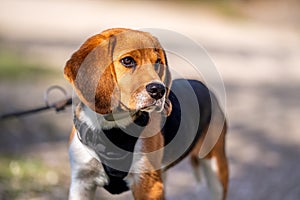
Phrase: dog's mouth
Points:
(116, 116)
(156, 105)
(125, 112)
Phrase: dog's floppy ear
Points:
(91, 71)
(167, 79)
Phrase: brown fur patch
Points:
(72, 135)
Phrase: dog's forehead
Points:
(129, 41)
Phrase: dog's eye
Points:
(157, 64)
(128, 62)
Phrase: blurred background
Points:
(255, 45)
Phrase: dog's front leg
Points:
(146, 177)
(148, 185)
(86, 172)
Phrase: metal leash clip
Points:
(58, 105)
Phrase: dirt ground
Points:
(256, 50)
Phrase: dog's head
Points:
(121, 70)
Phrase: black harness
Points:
(114, 148)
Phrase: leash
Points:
(58, 106)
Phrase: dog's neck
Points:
(104, 122)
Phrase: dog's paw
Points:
(101, 179)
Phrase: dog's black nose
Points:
(156, 90)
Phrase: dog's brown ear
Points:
(73, 64)
(167, 79)
(91, 71)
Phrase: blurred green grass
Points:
(20, 176)
(23, 177)
(16, 67)
(225, 8)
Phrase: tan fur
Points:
(218, 152)
(72, 134)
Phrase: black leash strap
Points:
(58, 105)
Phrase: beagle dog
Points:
(132, 122)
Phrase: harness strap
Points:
(114, 148)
